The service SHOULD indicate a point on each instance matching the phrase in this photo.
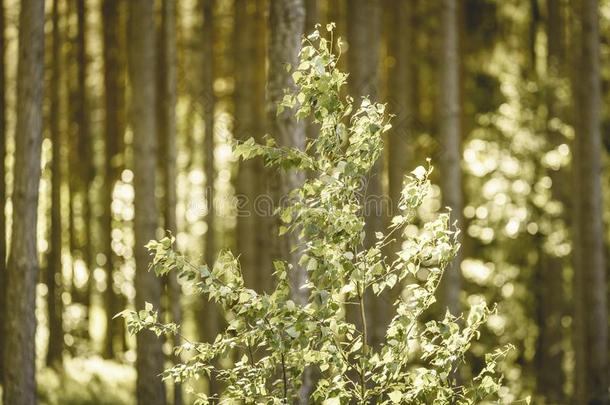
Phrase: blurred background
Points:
(143, 98)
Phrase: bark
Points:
(54, 269)
(286, 22)
(450, 144)
(363, 58)
(114, 122)
(2, 188)
(22, 270)
(590, 273)
(142, 74)
(167, 137)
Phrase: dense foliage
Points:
(274, 338)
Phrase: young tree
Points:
(114, 127)
(591, 317)
(54, 260)
(19, 326)
(278, 338)
(450, 141)
(142, 74)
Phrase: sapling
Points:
(276, 339)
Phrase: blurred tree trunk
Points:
(209, 316)
(54, 261)
(590, 272)
(311, 15)
(286, 23)
(400, 98)
(2, 187)
(549, 350)
(22, 270)
(248, 223)
(364, 39)
(336, 12)
(263, 211)
(114, 99)
(142, 61)
(80, 157)
(167, 139)
(401, 101)
(85, 153)
(450, 144)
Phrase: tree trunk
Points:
(246, 187)
(549, 350)
(209, 316)
(286, 19)
(142, 61)
(263, 206)
(590, 273)
(2, 188)
(311, 15)
(167, 137)
(85, 152)
(364, 38)
(401, 81)
(54, 269)
(399, 153)
(286, 22)
(114, 99)
(22, 270)
(450, 144)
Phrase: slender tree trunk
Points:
(450, 143)
(399, 154)
(263, 206)
(22, 270)
(401, 80)
(589, 239)
(209, 102)
(114, 99)
(286, 22)
(549, 351)
(248, 223)
(167, 136)
(54, 270)
(2, 189)
(208, 314)
(85, 153)
(364, 39)
(142, 61)
(311, 15)
(286, 19)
